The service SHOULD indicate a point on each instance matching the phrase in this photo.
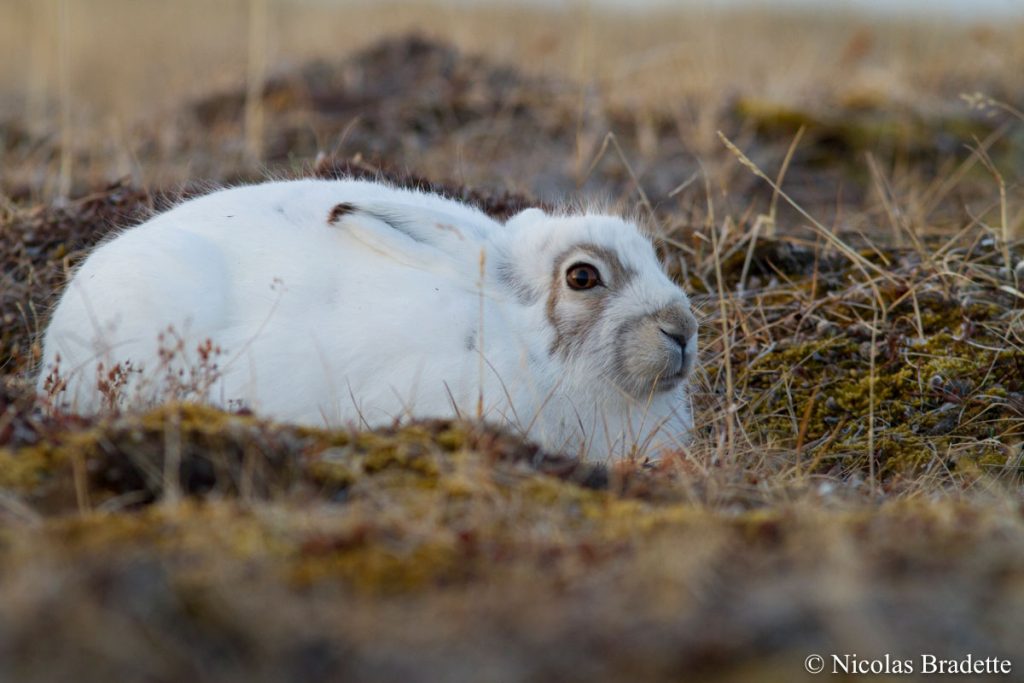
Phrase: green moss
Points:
(27, 468)
(378, 561)
(940, 391)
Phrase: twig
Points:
(255, 78)
(610, 139)
(64, 81)
(723, 312)
(480, 338)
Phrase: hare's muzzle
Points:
(679, 328)
(680, 361)
(657, 352)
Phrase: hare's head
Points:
(612, 310)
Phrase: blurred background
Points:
(84, 77)
(132, 56)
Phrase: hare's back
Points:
(234, 257)
(311, 204)
(261, 273)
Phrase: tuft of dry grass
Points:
(850, 227)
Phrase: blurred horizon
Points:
(98, 74)
(972, 10)
(979, 10)
(976, 9)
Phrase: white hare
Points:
(338, 302)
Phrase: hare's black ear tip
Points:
(340, 211)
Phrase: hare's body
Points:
(337, 302)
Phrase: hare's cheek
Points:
(574, 325)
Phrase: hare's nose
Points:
(680, 338)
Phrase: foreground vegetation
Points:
(855, 483)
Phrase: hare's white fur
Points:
(353, 302)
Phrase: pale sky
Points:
(967, 9)
(962, 9)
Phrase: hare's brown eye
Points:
(582, 276)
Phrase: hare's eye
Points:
(582, 276)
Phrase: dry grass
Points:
(130, 62)
(849, 224)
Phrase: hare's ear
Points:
(525, 217)
(409, 234)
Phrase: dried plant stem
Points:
(941, 187)
(774, 205)
(38, 67)
(873, 475)
(761, 220)
(610, 139)
(885, 194)
(255, 78)
(730, 408)
(81, 478)
(1003, 236)
(805, 420)
(64, 85)
(172, 459)
(480, 338)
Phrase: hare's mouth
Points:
(676, 372)
(668, 382)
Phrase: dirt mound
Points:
(409, 101)
(431, 551)
(420, 106)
